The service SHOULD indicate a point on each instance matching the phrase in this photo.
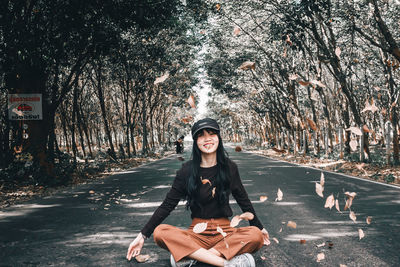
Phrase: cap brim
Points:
(206, 127)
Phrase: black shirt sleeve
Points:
(241, 197)
(175, 194)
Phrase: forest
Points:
(117, 78)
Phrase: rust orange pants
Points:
(182, 243)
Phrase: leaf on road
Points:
(199, 228)
(191, 101)
(235, 221)
(304, 83)
(337, 205)
(361, 234)
(263, 198)
(142, 258)
(279, 195)
(263, 258)
(330, 202)
(276, 240)
(322, 179)
(204, 181)
(247, 65)
(292, 224)
(280, 230)
(320, 257)
(349, 201)
(236, 31)
(248, 216)
(352, 216)
(219, 229)
(321, 245)
(319, 189)
(368, 220)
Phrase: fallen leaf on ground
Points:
(368, 220)
(279, 195)
(263, 258)
(322, 179)
(142, 258)
(280, 230)
(337, 205)
(319, 189)
(235, 221)
(199, 228)
(321, 245)
(330, 202)
(276, 240)
(248, 216)
(349, 201)
(320, 257)
(352, 216)
(292, 224)
(219, 229)
(263, 198)
(361, 234)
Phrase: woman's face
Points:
(207, 141)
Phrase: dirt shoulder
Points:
(370, 171)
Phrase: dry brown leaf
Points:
(353, 145)
(263, 258)
(236, 31)
(350, 195)
(235, 221)
(337, 205)
(199, 228)
(322, 180)
(219, 229)
(276, 240)
(304, 83)
(302, 241)
(369, 220)
(330, 202)
(279, 195)
(288, 40)
(321, 245)
(263, 198)
(320, 257)
(292, 224)
(280, 230)
(191, 101)
(319, 189)
(142, 258)
(248, 216)
(352, 216)
(361, 234)
(247, 65)
(205, 181)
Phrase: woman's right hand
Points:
(135, 247)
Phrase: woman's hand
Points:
(135, 247)
(266, 237)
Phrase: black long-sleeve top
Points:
(209, 202)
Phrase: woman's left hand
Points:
(266, 237)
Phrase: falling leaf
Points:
(361, 234)
(351, 195)
(352, 216)
(142, 258)
(199, 228)
(280, 230)
(292, 224)
(320, 257)
(279, 195)
(321, 245)
(353, 145)
(368, 220)
(236, 31)
(293, 77)
(235, 221)
(319, 189)
(191, 101)
(248, 216)
(219, 229)
(304, 83)
(263, 258)
(263, 198)
(330, 202)
(162, 78)
(338, 52)
(204, 181)
(302, 241)
(276, 240)
(349, 201)
(248, 65)
(213, 191)
(337, 205)
(322, 179)
(91, 192)
(355, 130)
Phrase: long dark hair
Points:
(222, 179)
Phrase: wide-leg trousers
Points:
(233, 241)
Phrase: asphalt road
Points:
(93, 224)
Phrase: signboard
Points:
(25, 107)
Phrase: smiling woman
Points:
(205, 182)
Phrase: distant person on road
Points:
(179, 145)
(206, 181)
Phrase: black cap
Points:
(206, 123)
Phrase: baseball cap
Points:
(206, 123)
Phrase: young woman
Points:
(206, 182)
